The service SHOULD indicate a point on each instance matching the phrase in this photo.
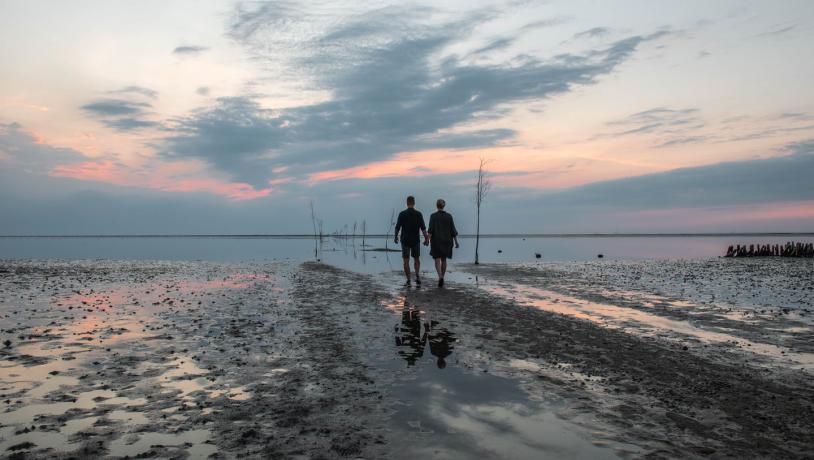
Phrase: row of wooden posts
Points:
(790, 249)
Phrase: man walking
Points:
(410, 222)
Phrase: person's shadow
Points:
(412, 336)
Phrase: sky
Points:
(222, 117)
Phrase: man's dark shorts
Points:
(410, 250)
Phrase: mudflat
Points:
(659, 359)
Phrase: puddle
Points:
(444, 411)
(188, 378)
(28, 413)
(40, 439)
(194, 442)
(449, 413)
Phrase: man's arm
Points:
(398, 227)
(424, 230)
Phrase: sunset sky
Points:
(127, 117)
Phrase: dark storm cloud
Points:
(390, 94)
(189, 50)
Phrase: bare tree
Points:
(481, 190)
(314, 223)
(364, 230)
(389, 226)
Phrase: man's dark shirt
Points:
(410, 222)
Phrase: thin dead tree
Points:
(387, 234)
(364, 231)
(314, 223)
(481, 190)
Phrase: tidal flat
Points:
(289, 359)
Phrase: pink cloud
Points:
(166, 176)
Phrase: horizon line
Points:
(379, 235)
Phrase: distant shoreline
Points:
(491, 235)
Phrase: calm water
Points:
(350, 253)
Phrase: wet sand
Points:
(286, 360)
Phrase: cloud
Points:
(682, 141)
(115, 107)
(136, 90)
(23, 150)
(596, 32)
(778, 179)
(495, 45)
(777, 31)
(125, 113)
(803, 116)
(672, 126)
(393, 88)
(129, 124)
(189, 50)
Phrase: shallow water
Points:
(449, 413)
(358, 255)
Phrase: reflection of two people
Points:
(413, 336)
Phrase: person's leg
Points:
(438, 267)
(415, 251)
(443, 266)
(406, 263)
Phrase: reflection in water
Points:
(458, 414)
(412, 337)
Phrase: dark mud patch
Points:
(768, 301)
